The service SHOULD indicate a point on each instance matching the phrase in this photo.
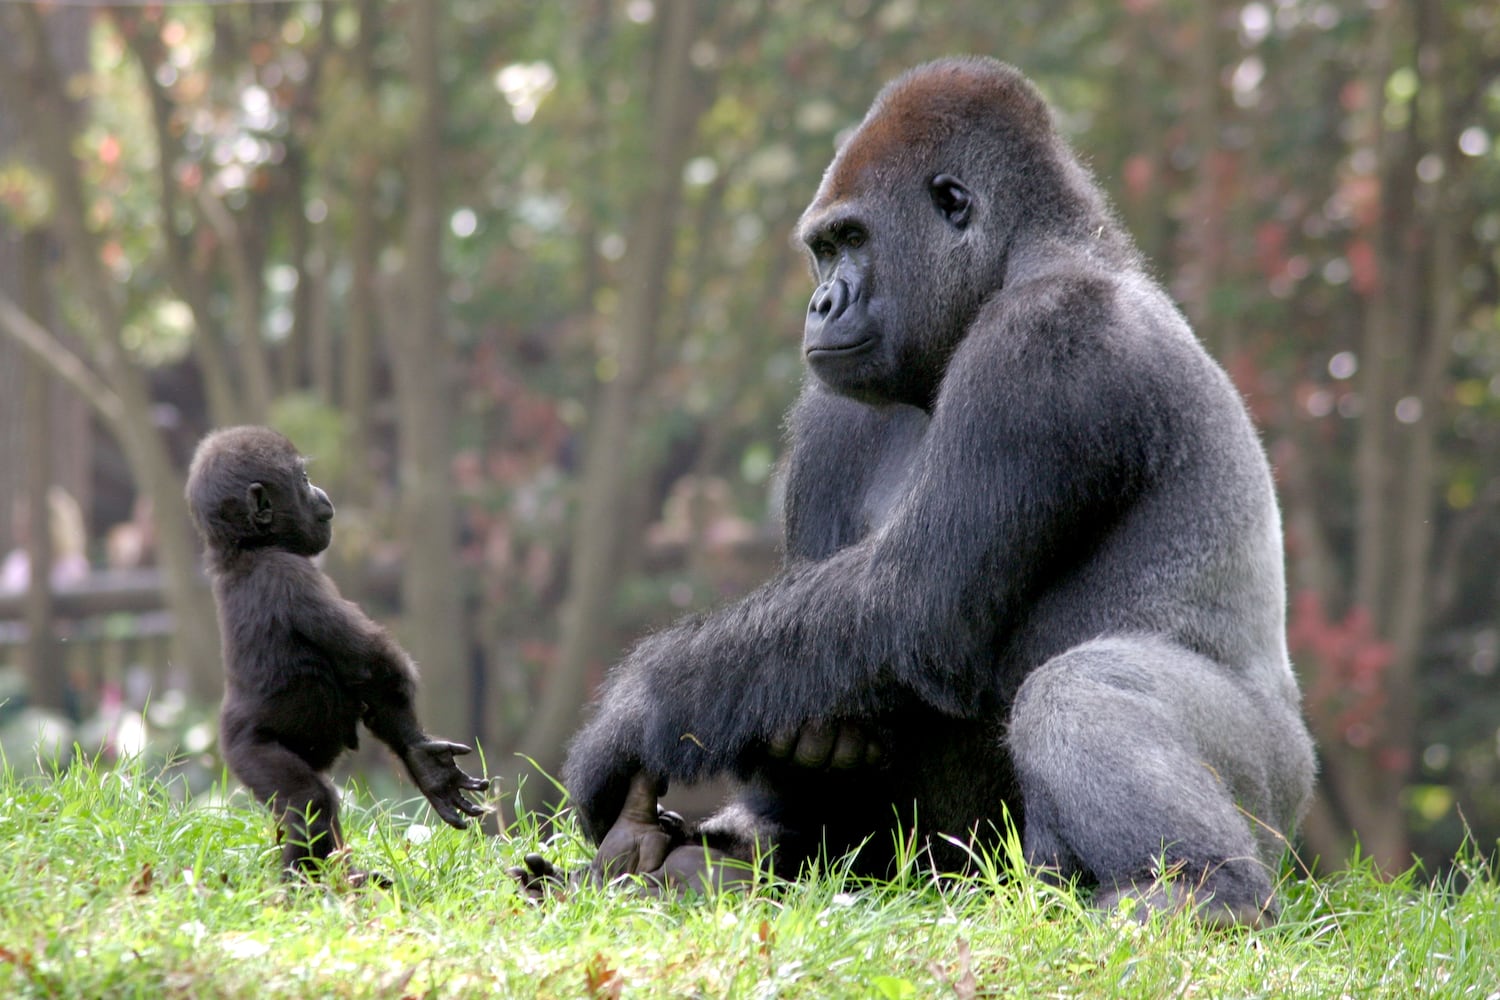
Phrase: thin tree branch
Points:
(49, 351)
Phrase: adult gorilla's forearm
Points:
(876, 623)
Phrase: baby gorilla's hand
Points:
(826, 744)
(440, 779)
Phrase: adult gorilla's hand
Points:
(614, 745)
(827, 745)
(642, 836)
(443, 782)
(654, 843)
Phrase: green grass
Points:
(109, 887)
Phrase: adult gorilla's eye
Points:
(823, 249)
(854, 237)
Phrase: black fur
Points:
(302, 665)
(1032, 542)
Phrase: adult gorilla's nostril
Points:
(831, 299)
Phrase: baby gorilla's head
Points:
(248, 489)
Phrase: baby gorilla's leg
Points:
(306, 807)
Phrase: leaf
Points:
(966, 986)
(765, 936)
(141, 884)
(602, 980)
(20, 959)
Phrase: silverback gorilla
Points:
(302, 665)
(1032, 553)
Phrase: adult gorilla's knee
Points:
(1117, 788)
(1052, 766)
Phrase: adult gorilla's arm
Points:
(1035, 445)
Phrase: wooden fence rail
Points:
(106, 625)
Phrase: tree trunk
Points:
(1433, 321)
(420, 355)
(677, 102)
(1405, 352)
(224, 403)
(1203, 234)
(47, 685)
(359, 344)
(51, 119)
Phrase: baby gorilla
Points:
(302, 665)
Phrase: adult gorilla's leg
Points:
(305, 803)
(1131, 752)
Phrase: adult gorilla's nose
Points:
(830, 300)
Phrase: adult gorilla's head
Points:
(922, 213)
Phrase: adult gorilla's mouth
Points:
(840, 350)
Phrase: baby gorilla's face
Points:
(248, 490)
(315, 520)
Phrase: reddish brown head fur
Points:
(918, 113)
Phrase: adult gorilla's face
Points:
(895, 289)
(842, 339)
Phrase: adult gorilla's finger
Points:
(640, 800)
(815, 743)
(636, 842)
(849, 748)
(782, 743)
(653, 850)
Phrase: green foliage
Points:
(320, 431)
(160, 332)
(110, 887)
(25, 195)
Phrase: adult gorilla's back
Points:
(1032, 544)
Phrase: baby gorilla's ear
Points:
(259, 505)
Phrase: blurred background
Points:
(518, 278)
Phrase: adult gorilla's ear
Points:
(951, 198)
(259, 504)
